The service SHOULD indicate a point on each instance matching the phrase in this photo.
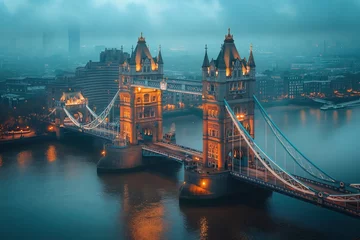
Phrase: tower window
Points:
(146, 98)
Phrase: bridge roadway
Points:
(260, 177)
(176, 152)
(268, 181)
(102, 132)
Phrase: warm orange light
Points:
(203, 183)
(228, 72)
(138, 67)
(139, 89)
(103, 153)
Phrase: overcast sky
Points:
(182, 24)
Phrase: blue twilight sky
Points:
(182, 24)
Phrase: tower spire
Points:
(160, 59)
(206, 62)
(251, 62)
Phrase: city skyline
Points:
(287, 24)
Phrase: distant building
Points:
(293, 86)
(27, 86)
(340, 84)
(318, 88)
(74, 41)
(269, 86)
(47, 42)
(98, 81)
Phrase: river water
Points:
(52, 191)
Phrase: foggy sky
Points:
(183, 24)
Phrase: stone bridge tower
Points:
(140, 108)
(232, 78)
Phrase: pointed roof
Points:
(251, 62)
(220, 61)
(159, 58)
(141, 52)
(228, 53)
(206, 62)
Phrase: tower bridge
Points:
(229, 147)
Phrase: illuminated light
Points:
(184, 182)
(139, 89)
(228, 72)
(242, 115)
(103, 152)
(217, 72)
(203, 183)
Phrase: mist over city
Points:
(179, 119)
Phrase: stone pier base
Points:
(119, 159)
(215, 185)
(212, 185)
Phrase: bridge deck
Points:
(265, 179)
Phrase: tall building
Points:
(99, 80)
(47, 42)
(74, 41)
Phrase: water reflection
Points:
(51, 153)
(143, 197)
(335, 117)
(348, 115)
(203, 228)
(303, 116)
(24, 157)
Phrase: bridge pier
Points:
(59, 132)
(205, 186)
(121, 158)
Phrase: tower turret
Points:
(250, 67)
(206, 64)
(160, 62)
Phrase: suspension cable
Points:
(307, 166)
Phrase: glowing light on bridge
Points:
(203, 183)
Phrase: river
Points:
(52, 191)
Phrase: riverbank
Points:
(11, 143)
(307, 102)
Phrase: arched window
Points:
(154, 98)
(212, 151)
(146, 98)
(148, 68)
(138, 100)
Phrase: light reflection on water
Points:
(51, 153)
(24, 157)
(69, 200)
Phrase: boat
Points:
(332, 107)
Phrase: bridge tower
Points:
(232, 78)
(140, 108)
